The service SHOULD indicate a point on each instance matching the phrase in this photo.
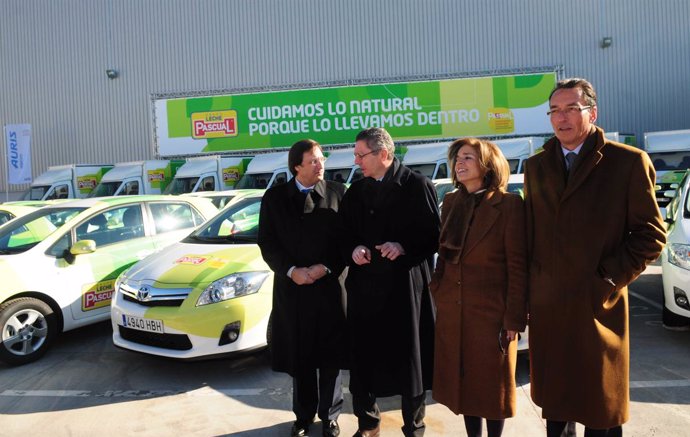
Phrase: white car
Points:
(208, 295)
(59, 263)
(675, 260)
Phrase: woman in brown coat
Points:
(479, 287)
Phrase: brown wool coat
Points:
(476, 297)
(602, 221)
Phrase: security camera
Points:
(112, 74)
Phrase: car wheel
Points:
(28, 328)
(673, 321)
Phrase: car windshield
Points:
(239, 223)
(664, 161)
(442, 189)
(27, 231)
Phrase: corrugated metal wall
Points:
(54, 53)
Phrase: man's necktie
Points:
(309, 203)
(570, 158)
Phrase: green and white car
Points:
(208, 295)
(59, 263)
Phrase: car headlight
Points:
(679, 255)
(232, 286)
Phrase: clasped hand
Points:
(308, 275)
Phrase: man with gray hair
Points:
(391, 225)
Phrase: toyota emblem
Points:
(144, 294)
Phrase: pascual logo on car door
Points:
(98, 295)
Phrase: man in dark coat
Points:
(593, 225)
(299, 231)
(392, 228)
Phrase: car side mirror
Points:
(83, 246)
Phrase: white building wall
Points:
(54, 53)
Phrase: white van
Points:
(340, 166)
(208, 173)
(265, 171)
(517, 150)
(431, 160)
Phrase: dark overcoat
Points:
(390, 313)
(601, 221)
(307, 321)
(479, 287)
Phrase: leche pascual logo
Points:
(215, 124)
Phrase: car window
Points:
(442, 172)
(5, 217)
(172, 216)
(112, 226)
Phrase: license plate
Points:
(141, 324)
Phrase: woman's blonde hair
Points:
(493, 165)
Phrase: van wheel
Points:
(28, 328)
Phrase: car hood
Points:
(191, 265)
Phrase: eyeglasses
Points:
(567, 111)
(362, 155)
(317, 161)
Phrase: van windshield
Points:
(35, 193)
(425, 169)
(337, 174)
(105, 189)
(181, 185)
(514, 164)
(254, 180)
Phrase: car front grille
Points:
(178, 342)
(150, 296)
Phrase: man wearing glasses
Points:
(593, 225)
(391, 234)
(299, 232)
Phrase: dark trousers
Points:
(567, 429)
(317, 391)
(369, 416)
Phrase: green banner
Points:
(450, 108)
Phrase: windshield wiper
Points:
(241, 238)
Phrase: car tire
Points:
(673, 321)
(28, 328)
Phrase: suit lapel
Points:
(591, 155)
(485, 216)
(553, 166)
